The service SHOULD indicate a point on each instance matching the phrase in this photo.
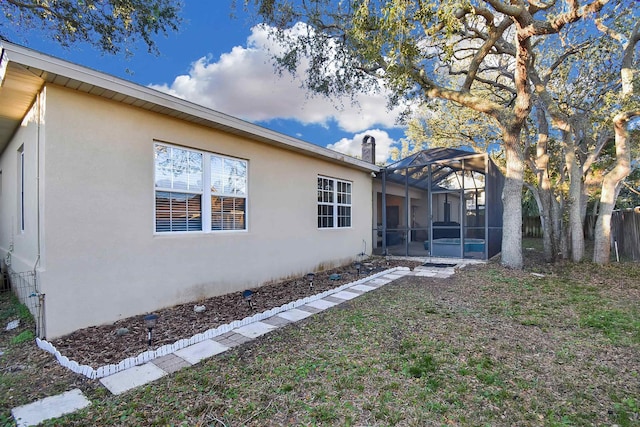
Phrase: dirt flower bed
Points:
(103, 345)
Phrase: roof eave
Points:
(56, 71)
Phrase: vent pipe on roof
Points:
(369, 149)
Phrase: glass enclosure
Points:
(439, 203)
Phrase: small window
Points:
(334, 203)
(178, 183)
(228, 193)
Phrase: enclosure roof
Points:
(24, 72)
(446, 161)
(473, 161)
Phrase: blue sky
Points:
(222, 62)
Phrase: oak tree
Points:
(108, 25)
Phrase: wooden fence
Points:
(625, 233)
(531, 227)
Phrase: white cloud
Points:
(243, 83)
(353, 146)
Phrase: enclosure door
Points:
(445, 225)
(419, 221)
(474, 224)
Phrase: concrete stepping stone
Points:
(441, 274)
(171, 363)
(346, 295)
(231, 339)
(49, 407)
(378, 282)
(322, 304)
(131, 378)
(294, 314)
(333, 299)
(310, 309)
(362, 288)
(254, 330)
(276, 321)
(394, 276)
(202, 350)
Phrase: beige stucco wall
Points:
(103, 260)
(18, 247)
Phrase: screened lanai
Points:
(440, 202)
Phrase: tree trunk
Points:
(545, 193)
(547, 227)
(584, 203)
(575, 198)
(560, 240)
(556, 227)
(611, 187)
(512, 200)
(595, 212)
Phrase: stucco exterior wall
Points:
(18, 240)
(103, 259)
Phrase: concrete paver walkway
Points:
(121, 382)
(49, 407)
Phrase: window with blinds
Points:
(334, 203)
(181, 177)
(228, 193)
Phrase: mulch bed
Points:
(102, 345)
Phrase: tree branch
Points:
(494, 35)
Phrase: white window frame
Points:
(333, 202)
(206, 192)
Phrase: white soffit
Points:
(26, 71)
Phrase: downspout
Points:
(40, 324)
(39, 121)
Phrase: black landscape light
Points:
(247, 295)
(358, 267)
(310, 277)
(150, 322)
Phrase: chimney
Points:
(369, 149)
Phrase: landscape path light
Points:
(358, 266)
(310, 277)
(150, 322)
(247, 295)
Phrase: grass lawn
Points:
(489, 346)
